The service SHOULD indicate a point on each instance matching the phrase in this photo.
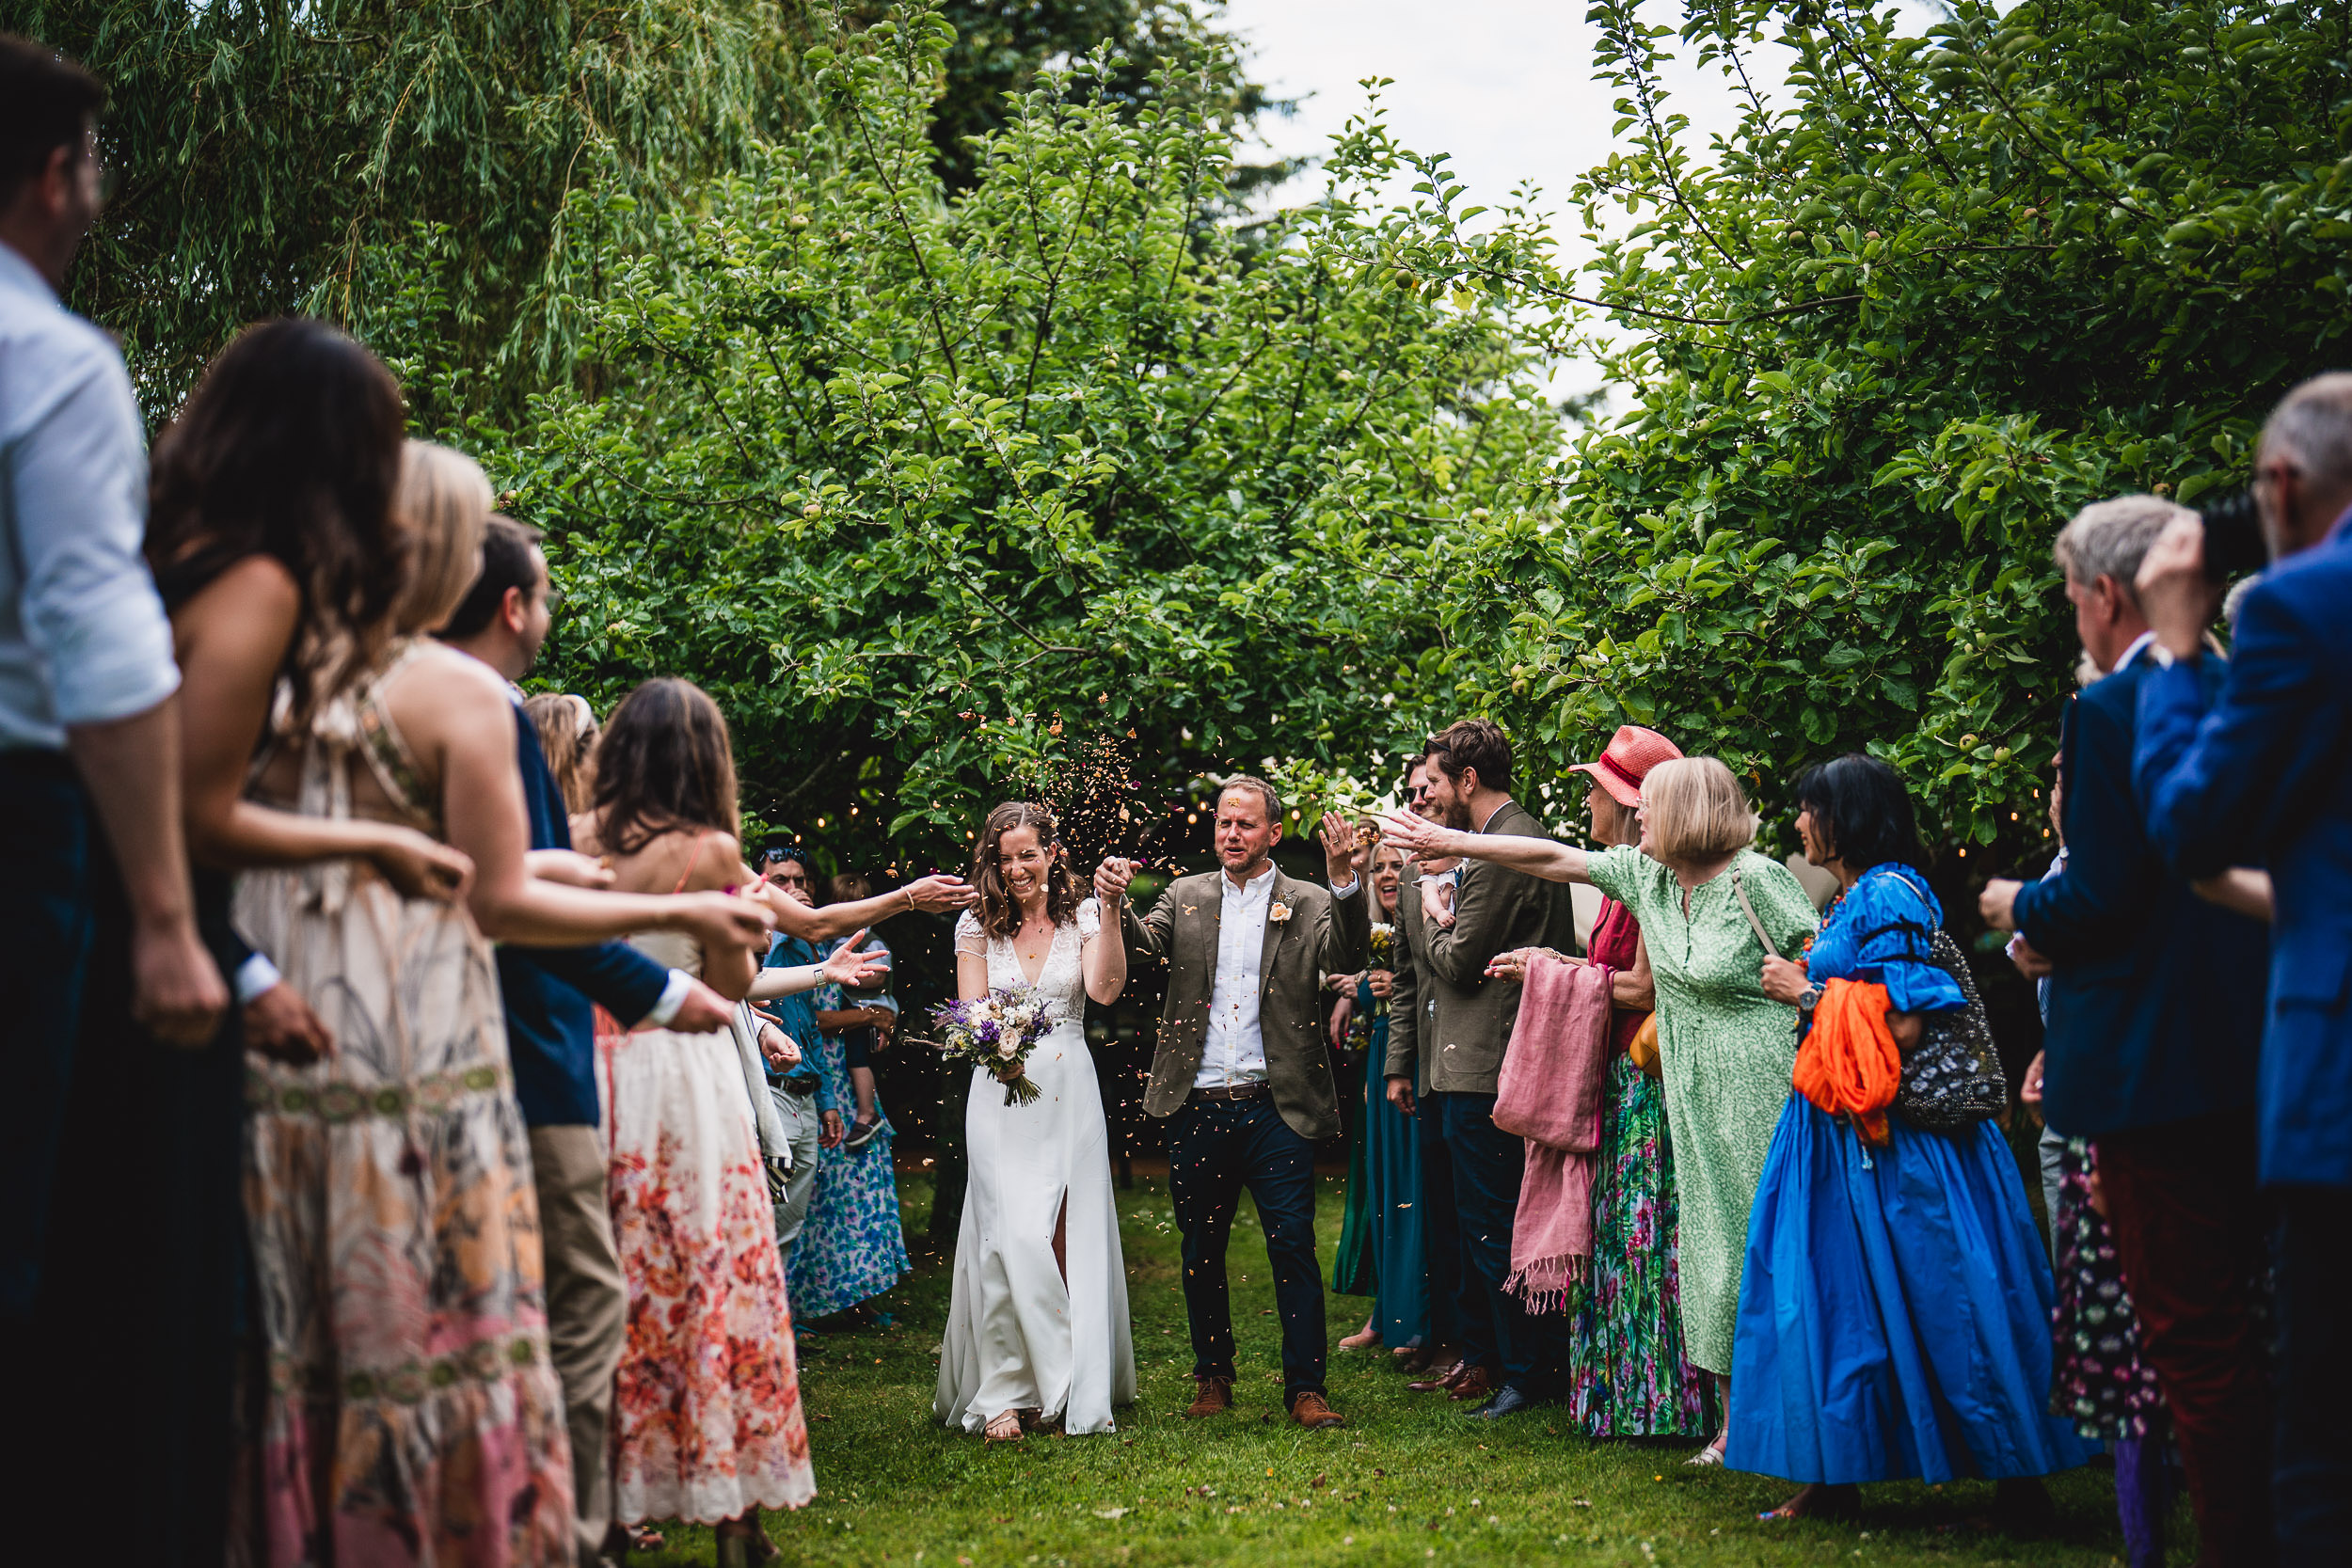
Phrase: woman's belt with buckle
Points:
(1252, 1090)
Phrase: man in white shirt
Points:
(1243, 1072)
(95, 896)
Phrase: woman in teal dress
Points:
(1725, 1048)
(1380, 1234)
(1894, 1309)
(852, 1247)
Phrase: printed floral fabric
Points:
(407, 1411)
(852, 1247)
(2100, 1383)
(706, 1417)
(1627, 1376)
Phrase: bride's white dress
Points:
(1018, 1339)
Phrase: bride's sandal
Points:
(1003, 1428)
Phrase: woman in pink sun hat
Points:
(1628, 1375)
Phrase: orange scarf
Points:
(1850, 1065)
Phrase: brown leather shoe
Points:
(1215, 1398)
(1475, 1385)
(1312, 1410)
(1453, 1373)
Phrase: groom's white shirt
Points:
(1234, 1051)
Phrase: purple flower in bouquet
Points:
(995, 1032)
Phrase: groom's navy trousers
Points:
(1214, 1149)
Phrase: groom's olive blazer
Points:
(1322, 935)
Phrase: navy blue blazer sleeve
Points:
(614, 976)
(2217, 777)
(2096, 908)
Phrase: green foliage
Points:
(925, 488)
(275, 158)
(1880, 344)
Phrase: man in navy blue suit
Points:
(2261, 769)
(2155, 1021)
(551, 1036)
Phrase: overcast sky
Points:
(1505, 86)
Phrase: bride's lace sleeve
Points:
(969, 937)
(1089, 920)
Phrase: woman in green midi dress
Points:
(1726, 1049)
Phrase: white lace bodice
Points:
(1061, 982)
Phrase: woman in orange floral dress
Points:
(706, 1422)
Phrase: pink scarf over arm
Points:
(1550, 1094)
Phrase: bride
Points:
(1038, 1327)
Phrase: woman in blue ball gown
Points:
(1895, 1306)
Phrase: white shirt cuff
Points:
(1346, 890)
(256, 978)
(673, 998)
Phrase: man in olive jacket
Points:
(1242, 1070)
(1448, 1019)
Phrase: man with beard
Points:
(1461, 1022)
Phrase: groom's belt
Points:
(1257, 1090)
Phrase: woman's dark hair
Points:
(1860, 807)
(1000, 912)
(291, 448)
(663, 764)
(848, 887)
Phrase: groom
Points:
(1241, 1067)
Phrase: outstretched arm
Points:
(1547, 858)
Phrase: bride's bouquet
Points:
(991, 1031)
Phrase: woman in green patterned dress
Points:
(1726, 1049)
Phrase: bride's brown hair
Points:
(1000, 912)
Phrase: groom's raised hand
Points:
(1339, 847)
(1111, 878)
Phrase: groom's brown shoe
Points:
(1215, 1398)
(1312, 1410)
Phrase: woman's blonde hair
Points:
(567, 734)
(444, 502)
(1696, 811)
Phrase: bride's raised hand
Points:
(846, 966)
(1111, 878)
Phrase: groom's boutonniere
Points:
(1278, 912)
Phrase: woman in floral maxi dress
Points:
(852, 1247)
(706, 1420)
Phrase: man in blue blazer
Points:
(2261, 769)
(2156, 1019)
(551, 1039)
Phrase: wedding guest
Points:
(1627, 1373)
(864, 1026)
(706, 1422)
(2259, 768)
(549, 995)
(853, 1245)
(567, 731)
(1726, 1049)
(2155, 1040)
(1380, 1251)
(1894, 1314)
(1441, 1365)
(1515, 1357)
(811, 1117)
(95, 896)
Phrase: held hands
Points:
(1419, 837)
(1784, 980)
(420, 867)
(1339, 847)
(850, 968)
(280, 1025)
(1998, 903)
(2173, 591)
(1110, 882)
(941, 893)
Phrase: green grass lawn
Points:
(1407, 1481)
